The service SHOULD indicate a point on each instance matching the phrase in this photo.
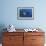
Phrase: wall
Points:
(9, 13)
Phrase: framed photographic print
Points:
(25, 13)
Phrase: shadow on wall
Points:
(2, 26)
